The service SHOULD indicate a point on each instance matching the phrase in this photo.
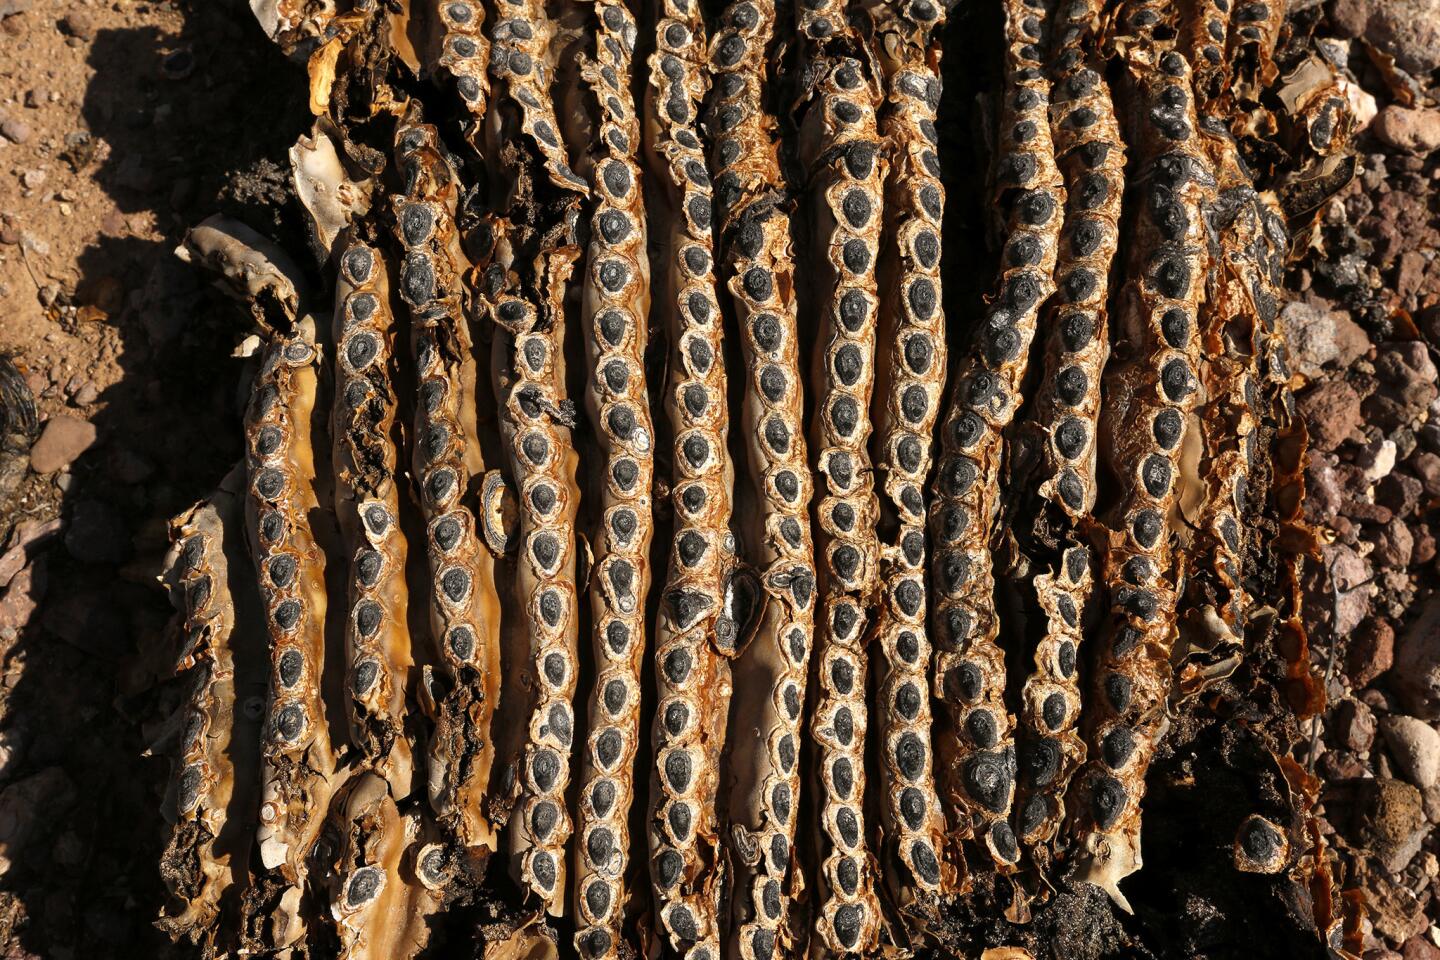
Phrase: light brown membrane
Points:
(912, 356)
(976, 749)
(616, 300)
(763, 761)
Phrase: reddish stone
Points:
(1371, 653)
(1332, 411)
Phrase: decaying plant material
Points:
(644, 547)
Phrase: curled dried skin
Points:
(1063, 422)
(978, 751)
(367, 503)
(911, 362)
(1145, 419)
(694, 629)
(464, 608)
(1254, 29)
(615, 303)
(205, 865)
(298, 759)
(770, 670)
(840, 150)
(378, 910)
(539, 254)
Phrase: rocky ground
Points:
(122, 123)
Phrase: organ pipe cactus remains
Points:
(851, 606)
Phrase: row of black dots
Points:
(691, 674)
(1254, 31)
(839, 151)
(464, 52)
(218, 764)
(363, 429)
(1091, 153)
(910, 380)
(771, 671)
(298, 761)
(1204, 32)
(1146, 416)
(977, 750)
(463, 605)
(615, 303)
(536, 422)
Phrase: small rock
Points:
(62, 441)
(16, 131)
(1420, 948)
(1349, 586)
(23, 596)
(1332, 411)
(29, 805)
(12, 751)
(1415, 745)
(78, 24)
(97, 534)
(1407, 385)
(1377, 459)
(86, 395)
(1408, 30)
(1400, 493)
(1350, 17)
(1354, 726)
(1424, 550)
(1395, 544)
(131, 467)
(1417, 662)
(1371, 652)
(1426, 467)
(33, 179)
(1310, 335)
(1417, 131)
(1390, 819)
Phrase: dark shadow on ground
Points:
(181, 115)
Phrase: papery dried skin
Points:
(976, 747)
(299, 762)
(1204, 35)
(464, 608)
(692, 676)
(763, 762)
(1254, 30)
(536, 419)
(379, 911)
(367, 504)
(912, 356)
(1147, 409)
(614, 309)
(205, 865)
(1063, 421)
(839, 149)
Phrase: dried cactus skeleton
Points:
(932, 637)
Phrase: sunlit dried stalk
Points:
(770, 672)
(206, 864)
(464, 609)
(839, 151)
(298, 759)
(1147, 410)
(977, 749)
(694, 629)
(539, 252)
(1062, 425)
(615, 304)
(367, 504)
(911, 360)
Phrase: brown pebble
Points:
(63, 440)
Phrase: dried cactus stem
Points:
(978, 748)
(911, 362)
(614, 308)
